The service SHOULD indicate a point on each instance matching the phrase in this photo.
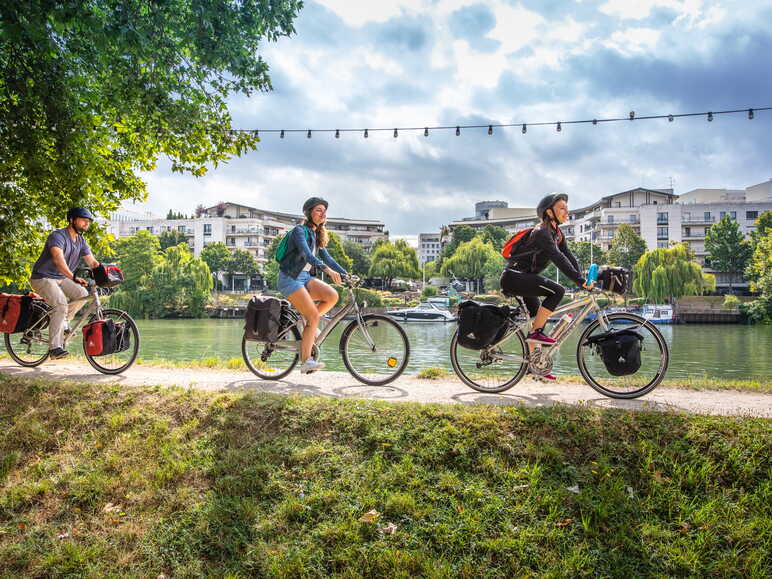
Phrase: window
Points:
(662, 233)
(733, 215)
(610, 219)
(661, 218)
(181, 228)
(722, 214)
(207, 229)
(661, 244)
(687, 216)
(231, 241)
(687, 231)
(149, 228)
(752, 215)
(707, 216)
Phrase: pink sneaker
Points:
(538, 337)
(545, 378)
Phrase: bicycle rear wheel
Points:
(654, 359)
(117, 362)
(491, 370)
(384, 360)
(272, 360)
(30, 347)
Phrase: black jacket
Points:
(542, 247)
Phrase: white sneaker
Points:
(311, 365)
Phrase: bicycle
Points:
(30, 348)
(501, 365)
(374, 348)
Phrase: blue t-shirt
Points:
(73, 250)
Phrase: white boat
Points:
(423, 312)
(658, 314)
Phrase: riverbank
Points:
(101, 480)
(445, 389)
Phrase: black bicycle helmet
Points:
(75, 212)
(311, 203)
(548, 202)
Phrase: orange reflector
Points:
(391, 362)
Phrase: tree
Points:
(390, 261)
(627, 247)
(727, 251)
(135, 255)
(241, 261)
(495, 235)
(410, 255)
(360, 259)
(335, 248)
(171, 238)
(474, 260)
(763, 228)
(667, 274)
(587, 253)
(92, 93)
(179, 285)
(760, 267)
(216, 255)
(461, 234)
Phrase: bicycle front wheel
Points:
(120, 361)
(272, 360)
(375, 352)
(654, 359)
(492, 370)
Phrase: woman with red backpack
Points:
(530, 255)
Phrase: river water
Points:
(715, 350)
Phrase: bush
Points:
(372, 297)
(429, 291)
(488, 298)
(759, 310)
(731, 302)
(432, 373)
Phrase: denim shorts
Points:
(288, 285)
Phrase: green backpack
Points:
(281, 249)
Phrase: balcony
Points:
(698, 220)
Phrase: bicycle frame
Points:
(586, 305)
(96, 307)
(330, 326)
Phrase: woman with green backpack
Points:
(301, 255)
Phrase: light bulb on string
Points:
(670, 118)
(337, 134)
(594, 121)
(558, 128)
(426, 131)
(750, 114)
(257, 133)
(281, 134)
(309, 134)
(525, 130)
(458, 131)
(365, 133)
(632, 115)
(490, 129)
(710, 117)
(395, 133)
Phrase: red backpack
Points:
(516, 240)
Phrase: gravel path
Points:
(406, 388)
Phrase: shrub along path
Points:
(447, 389)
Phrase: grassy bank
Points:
(104, 481)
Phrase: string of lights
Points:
(524, 126)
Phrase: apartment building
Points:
(429, 247)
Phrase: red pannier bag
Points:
(16, 312)
(107, 275)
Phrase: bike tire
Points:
(345, 341)
(135, 342)
(255, 370)
(469, 381)
(651, 385)
(9, 347)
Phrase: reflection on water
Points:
(728, 351)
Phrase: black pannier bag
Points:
(615, 279)
(107, 275)
(480, 325)
(263, 320)
(620, 350)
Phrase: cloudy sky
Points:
(401, 63)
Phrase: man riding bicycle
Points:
(53, 278)
(545, 243)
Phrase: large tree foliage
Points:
(160, 283)
(495, 235)
(241, 261)
(92, 93)
(473, 260)
(360, 260)
(394, 260)
(666, 274)
(587, 253)
(627, 247)
(760, 267)
(727, 250)
(337, 252)
(461, 234)
(171, 237)
(217, 256)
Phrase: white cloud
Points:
(359, 12)
(634, 40)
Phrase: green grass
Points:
(432, 374)
(110, 481)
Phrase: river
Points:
(720, 350)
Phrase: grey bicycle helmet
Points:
(548, 202)
(311, 203)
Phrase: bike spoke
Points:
(376, 353)
(493, 370)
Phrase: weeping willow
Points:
(663, 275)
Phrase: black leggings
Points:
(530, 286)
